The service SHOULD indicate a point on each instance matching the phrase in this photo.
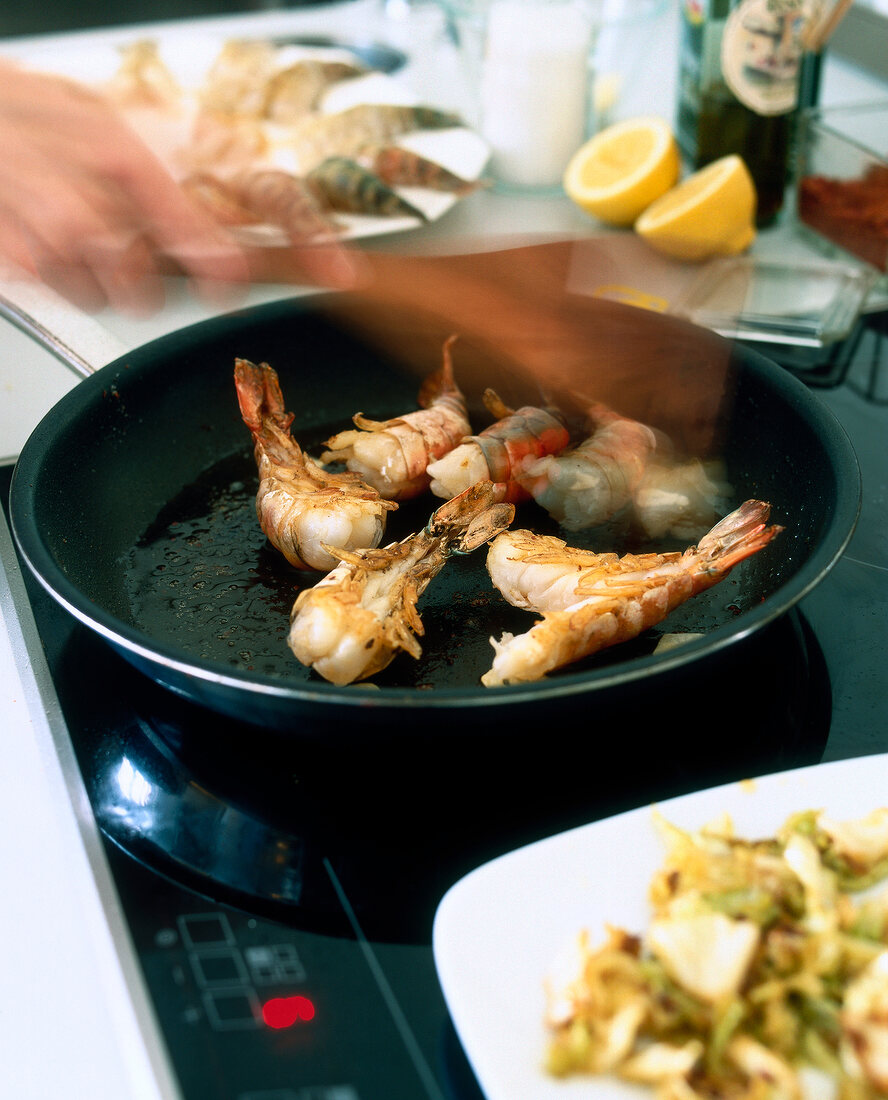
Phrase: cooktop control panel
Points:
(252, 1009)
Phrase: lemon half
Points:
(620, 171)
(711, 213)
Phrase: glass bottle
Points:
(738, 88)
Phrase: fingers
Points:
(127, 273)
(180, 230)
(330, 265)
(89, 252)
(58, 268)
(186, 231)
(90, 209)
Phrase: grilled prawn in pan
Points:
(133, 503)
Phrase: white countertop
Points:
(69, 1025)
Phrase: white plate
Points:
(189, 57)
(499, 930)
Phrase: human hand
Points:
(86, 207)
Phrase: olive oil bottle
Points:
(738, 76)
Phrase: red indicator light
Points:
(287, 1011)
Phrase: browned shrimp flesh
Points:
(303, 509)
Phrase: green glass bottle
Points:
(738, 88)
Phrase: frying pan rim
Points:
(840, 529)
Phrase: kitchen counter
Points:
(67, 974)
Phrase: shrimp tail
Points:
(739, 535)
(259, 397)
(471, 519)
(441, 382)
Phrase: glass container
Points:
(841, 192)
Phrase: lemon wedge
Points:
(620, 171)
(711, 213)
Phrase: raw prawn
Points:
(223, 143)
(297, 90)
(392, 455)
(218, 198)
(279, 198)
(238, 78)
(354, 621)
(400, 167)
(586, 485)
(267, 196)
(143, 79)
(500, 451)
(344, 185)
(345, 133)
(591, 601)
(303, 509)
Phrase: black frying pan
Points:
(132, 502)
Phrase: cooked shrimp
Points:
(303, 509)
(353, 622)
(600, 600)
(681, 498)
(499, 452)
(586, 485)
(392, 455)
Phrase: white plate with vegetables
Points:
(508, 932)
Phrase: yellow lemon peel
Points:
(711, 213)
(620, 171)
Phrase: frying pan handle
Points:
(80, 341)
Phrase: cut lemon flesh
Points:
(711, 213)
(620, 171)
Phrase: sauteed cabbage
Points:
(764, 969)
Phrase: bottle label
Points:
(761, 53)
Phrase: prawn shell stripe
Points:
(423, 437)
(527, 433)
(404, 168)
(282, 199)
(347, 186)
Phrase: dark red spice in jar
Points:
(851, 213)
